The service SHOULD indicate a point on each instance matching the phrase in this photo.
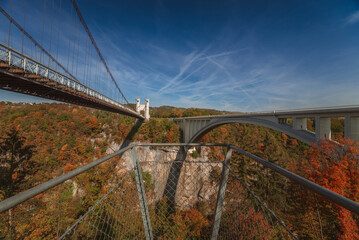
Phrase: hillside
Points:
(174, 112)
(64, 137)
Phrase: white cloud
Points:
(353, 18)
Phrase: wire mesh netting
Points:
(245, 216)
(115, 216)
(181, 195)
(181, 198)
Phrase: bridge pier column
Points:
(203, 123)
(147, 109)
(186, 130)
(283, 120)
(299, 123)
(322, 127)
(138, 105)
(351, 127)
(347, 121)
(191, 125)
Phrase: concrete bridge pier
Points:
(351, 127)
(300, 123)
(322, 127)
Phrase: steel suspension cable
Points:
(52, 18)
(9, 37)
(73, 49)
(58, 33)
(22, 41)
(87, 61)
(4, 28)
(96, 47)
(78, 49)
(84, 65)
(68, 49)
(36, 43)
(43, 28)
(89, 64)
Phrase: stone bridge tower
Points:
(145, 108)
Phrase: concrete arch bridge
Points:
(194, 128)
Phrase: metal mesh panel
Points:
(245, 216)
(116, 216)
(181, 197)
(172, 198)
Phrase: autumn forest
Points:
(39, 142)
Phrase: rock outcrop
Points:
(185, 182)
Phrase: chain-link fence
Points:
(115, 216)
(178, 197)
(174, 193)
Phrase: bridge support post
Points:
(322, 127)
(283, 120)
(220, 197)
(186, 130)
(142, 195)
(351, 128)
(300, 123)
(145, 108)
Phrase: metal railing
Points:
(179, 198)
(29, 65)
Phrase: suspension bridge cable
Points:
(9, 37)
(73, 48)
(4, 28)
(68, 49)
(89, 64)
(52, 18)
(96, 70)
(43, 27)
(88, 48)
(84, 68)
(90, 68)
(95, 45)
(78, 49)
(22, 41)
(58, 34)
(36, 43)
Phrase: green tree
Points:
(14, 165)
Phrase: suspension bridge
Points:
(62, 62)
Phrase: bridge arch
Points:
(301, 135)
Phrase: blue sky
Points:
(229, 55)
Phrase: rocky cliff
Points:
(185, 181)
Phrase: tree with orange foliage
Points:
(170, 136)
(186, 224)
(337, 168)
(94, 124)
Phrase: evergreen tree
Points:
(14, 165)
